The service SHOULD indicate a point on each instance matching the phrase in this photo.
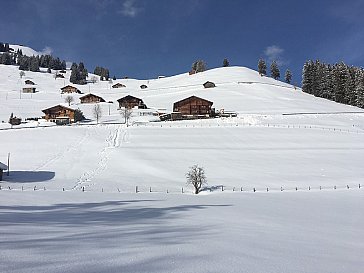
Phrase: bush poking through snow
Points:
(196, 177)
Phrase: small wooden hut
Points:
(29, 89)
(29, 82)
(70, 89)
(194, 106)
(209, 85)
(91, 98)
(143, 86)
(131, 102)
(118, 85)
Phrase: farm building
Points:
(91, 98)
(3, 168)
(118, 85)
(60, 76)
(61, 115)
(13, 120)
(29, 89)
(194, 106)
(143, 86)
(131, 102)
(70, 89)
(209, 85)
(29, 82)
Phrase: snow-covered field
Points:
(301, 232)
(281, 139)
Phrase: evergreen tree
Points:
(225, 63)
(262, 67)
(288, 76)
(274, 70)
(83, 73)
(114, 78)
(199, 66)
(359, 88)
(75, 74)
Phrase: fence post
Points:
(102, 189)
(222, 188)
(281, 188)
(182, 189)
(267, 190)
(347, 186)
(136, 189)
(167, 190)
(62, 189)
(83, 189)
(233, 188)
(320, 187)
(241, 188)
(359, 186)
(22, 188)
(296, 189)
(150, 189)
(254, 190)
(309, 188)
(35, 187)
(334, 187)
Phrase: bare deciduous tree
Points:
(196, 177)
(97, 112)
(93, 79)
(21, 74)
(126, 114)
(68, 100)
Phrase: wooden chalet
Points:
(70, 89)
(143, 86)
(91, 98)
(59, 114)
(209, 85)
(118, 85)
(29, 89)
(59, 76)
(131, 102)
(193, 106)
(29, 82)
(3, 168)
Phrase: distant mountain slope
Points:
(237, 89)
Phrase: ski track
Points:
(114, 140)
(62, 153)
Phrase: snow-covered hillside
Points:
(290, 165)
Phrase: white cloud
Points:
(129, 9)
(275, 53)
(46, 51)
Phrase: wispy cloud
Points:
(275, 53)
(46, 51)
(129, 9)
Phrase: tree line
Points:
(338, 82)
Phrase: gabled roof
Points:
(91, 95)
(29, 82)
(68, 86)
(3, 166)
(194, 97)
(118, 85)
(129, 97)
(59, 105)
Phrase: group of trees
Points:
(274, 71)
(102, 72)
(4, 47)
(199, 66)
(338, 82)
(78, 73)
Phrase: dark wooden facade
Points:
(3, 168)
(60, 76)
(118, 85)
(209, 85)
(29, 82)
(29, 89)
(131, 102)
(59, 114)
(194, 106)
(70, 89)
(91, 98)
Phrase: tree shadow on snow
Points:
(28, 176)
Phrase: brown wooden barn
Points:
(131, 102)
(29, 89)
(209, 85)
(29, 82)
(143, 86)
(91, 98)
(3, 168)
(118, 85)
(60, 114)
(70, 89)
(194, 106)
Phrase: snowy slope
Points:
(29, 51)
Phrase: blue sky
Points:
(147, 38)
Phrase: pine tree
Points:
(114, 78)
(199, 66)
(288, 76)
(359, 88)
(274, 70)
(225, 63)
(262, 67)
(75, 74)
